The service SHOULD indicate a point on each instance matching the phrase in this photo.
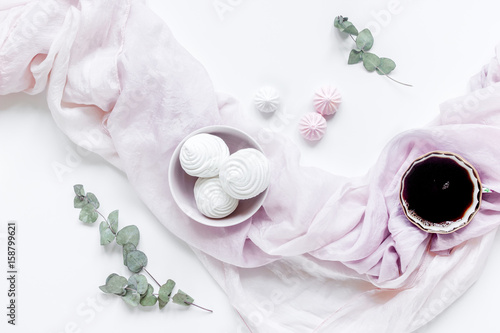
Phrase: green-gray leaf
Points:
(344, 25)
(364, 41)
(370, 61)
(354, 57)
(136, 260)
(110, 276)
(113, 221)
(337, 23)
(115, 284)
(350, 28)
(166, 291)
(139, 283)
(127, 248)
(161, 303)
(104, 289)
(106, 235)
(386, 66)
(182, 298)
(79, 202)
(132, 298)
(88, 214)
(93, 199)
(148, 299)
(129, 234)
(79, 190)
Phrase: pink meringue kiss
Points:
(312, 126)
(327, 100)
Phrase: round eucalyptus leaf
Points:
(148, 299)
(129, 234)
(354, 57)
(136, 260)
(386, 66)
(132, 298)
(78, 188)
(110, 276)
(182, 298)
(116, 284)
(79, 202)
(161, 303)
(88, 214)
(364, 41)
(93, 199)
(106, 235)
(350, 29)
(166, 290)
(127, 248)
(104, 289)
(113, 221)
(370, 61)
(139, 283)
(344, 25)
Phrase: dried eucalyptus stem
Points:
(136, 289)
(364, 42)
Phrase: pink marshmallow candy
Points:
(327, 100)
(312, 126)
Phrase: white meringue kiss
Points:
(245, 174)
(211, 199)
(202, 154)
(267, 100)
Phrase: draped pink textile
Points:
(346, 260)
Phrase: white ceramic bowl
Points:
(182, 185)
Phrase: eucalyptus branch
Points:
(136, 289)
(364, 42)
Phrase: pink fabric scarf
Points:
(345, 261)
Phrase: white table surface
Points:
(290, 45)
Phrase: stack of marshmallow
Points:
(224, 179)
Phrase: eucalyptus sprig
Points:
(364, 42)
(136, 290)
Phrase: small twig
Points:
(404, 84)
(144, 268)
(189, 303)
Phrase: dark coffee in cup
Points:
(440, 192)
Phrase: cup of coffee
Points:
(440, 192)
